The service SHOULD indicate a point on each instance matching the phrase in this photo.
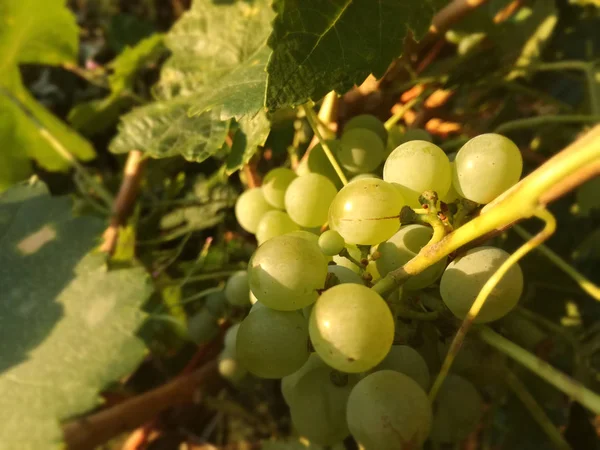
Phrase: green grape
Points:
(418, 166)
(288, 383)
(398, 135)
(230, 368)
(318, 406)
(388, 410)
(311, 237)
(344, 275)
(307, 199)
(331, 242)
(406, 360)
(451, 195)
(256, 306)
(274, 223)
(465, 276)
(202, 326)
(237, 290)
(345, 262)
(286, 272)
(318, 162)
(361, 150)
(416, 134)
(351, 328)
(231, 338)
(274, 185)
(250, 208)
(485, 167)
(215, 303)
(368, 122)
(272, 344)
(452, 423)
(401, 248)
(362, 176)
(366, 211)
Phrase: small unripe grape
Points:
(237, 290)
(361, 150)
(250, 208)
(274, 223)
(331, 242)
(274, 185)
(307, 199)
(369, 122)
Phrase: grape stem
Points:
(392, 121)
(519, 202)
(537, 412)
(314, 124)
(561, 381)
(346, 254)
(583, 282)
(486, 290)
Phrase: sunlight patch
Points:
(32, 243)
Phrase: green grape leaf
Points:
(95, 116)
(164, 129)
(210, 40)
(27, 38)
(128, 63)
(319, 46)
(240, 92)
(252, 133)
(68, 323)
(216, 73)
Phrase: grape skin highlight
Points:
(485, 167)
(307, 199)
(366, 211)
(351, 328)
(274, 185)
(274, 223)
(361, 150)
(286, 271)
(250, 208)
(416, 167)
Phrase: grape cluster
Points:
(316, 324)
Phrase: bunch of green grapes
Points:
(314, 320)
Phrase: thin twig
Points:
(532, 122)
(559, 380)
(486, 290)
(123, 204)
(89, 432)
(583, 282)
(311, 117)
(537, 412)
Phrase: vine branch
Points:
(519, 202)
(486, 290)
